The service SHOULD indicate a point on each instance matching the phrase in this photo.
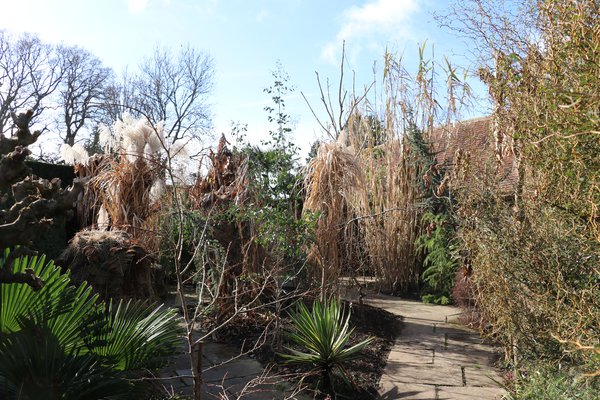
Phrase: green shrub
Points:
(440, 264)
(193, 227)
(62, 343)
(532, 232)
(544, 381)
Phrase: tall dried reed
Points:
(389, 216)
(334, 178)
(366, 185)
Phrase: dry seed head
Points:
(157, 190)
(74, 154)
(180, 150)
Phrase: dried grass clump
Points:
(390, 215)
(124, 191)
(131, 184)
(369, 192)
(334, 179)
(225, 181)
(125, 186)
(111, 262)
(122, 195)
(368, 221)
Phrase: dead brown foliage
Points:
(112, 263)
(333, 180)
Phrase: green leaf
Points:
(61, 342)
(324, 333)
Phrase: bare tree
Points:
(491, 26)
(29, 73)
(118, 98)
(174, 89)
(81, 89)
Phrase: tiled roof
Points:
(474, 139)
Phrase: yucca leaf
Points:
(323, 333)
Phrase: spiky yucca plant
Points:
(324, 333)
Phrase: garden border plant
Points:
(365, 185)
(255, 291)
(534, 251)
(61, 342)
(323, 334)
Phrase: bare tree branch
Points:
(83, 84)
(29, 73)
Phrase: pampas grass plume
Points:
(157, 190)
(179, 149)
(74, 154)
(109, 140)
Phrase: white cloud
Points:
(329, 53)
(374, 18)
(137, 6)
(379, 16)
(207, 6)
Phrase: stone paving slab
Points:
(434, 358)
(470, 393)
(406, 354)
(389, 391)
(392, 391)
(240, 368)
(226, 379)
(216, 353)
(421, 374)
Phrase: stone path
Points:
(225, 373)
(222, 378)
(434, 358)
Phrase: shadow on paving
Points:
(225, 374)
(432, 358)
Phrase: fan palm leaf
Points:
(61, 342)
(18, 299)
(34, 365)
(138, 335)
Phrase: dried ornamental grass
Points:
(367, 199)
(125, 186)
(333, 179)
(389, 215)
(376, 219)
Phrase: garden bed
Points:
(365, 371)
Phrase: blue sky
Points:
(246, 38)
